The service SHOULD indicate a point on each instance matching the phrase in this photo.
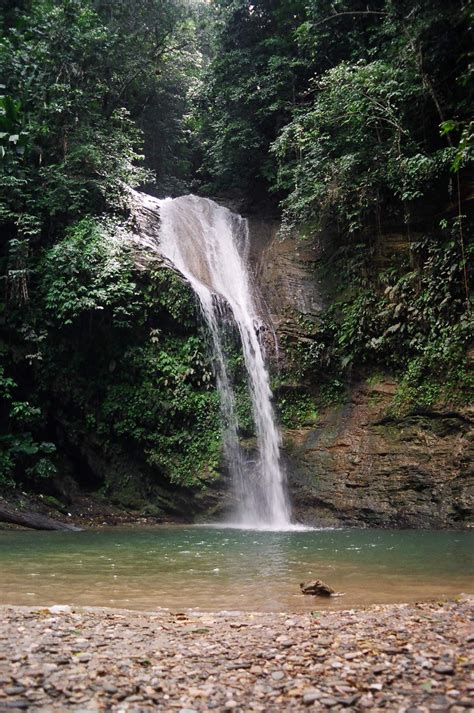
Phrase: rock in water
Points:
(316, 587)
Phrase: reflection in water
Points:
(208, 568)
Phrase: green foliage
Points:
(11, 135)
(356, 115)
(164, 403)
(354, 147)
(369, 122)
(248, 91)
(413, 322)
(124, 358)
(296, 408)
(88, 271)
(23, 458)
(88, 84)
(464, 151)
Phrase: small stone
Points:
(14, 690)
(328, 701)
(230, 705)
(60, 609)
(309, 697)
(278, 675)
(18, 705)
(238, 665)
(284, 641)
(349, 700)
(109, 688)
(445, 669)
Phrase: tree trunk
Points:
(33, 520)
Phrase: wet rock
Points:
(397, 481)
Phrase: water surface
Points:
(223, 569)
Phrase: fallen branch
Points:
(34, 521)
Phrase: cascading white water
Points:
(208, 245)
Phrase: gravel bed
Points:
(412, 658)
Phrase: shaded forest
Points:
(350, 121)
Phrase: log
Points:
(317, 588)
(34, 520)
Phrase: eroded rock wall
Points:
(359, 466)
(285, 272)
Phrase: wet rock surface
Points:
(396, 658)
(360, 466)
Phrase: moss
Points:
(296, 408)
(52, 502)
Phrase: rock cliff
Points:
(360, 466)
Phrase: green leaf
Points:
(447, 126)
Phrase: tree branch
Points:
(354, 12)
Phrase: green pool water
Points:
(223, 569)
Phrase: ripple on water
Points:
(246, 571)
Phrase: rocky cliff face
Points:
(359, 465)
(284, 269)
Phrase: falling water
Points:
(208, 244)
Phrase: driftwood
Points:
(33, 520)
(317, 587)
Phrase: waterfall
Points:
(208, 245)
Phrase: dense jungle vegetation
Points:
(351, 119)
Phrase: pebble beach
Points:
(408, 658)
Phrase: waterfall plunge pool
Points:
(223, 569)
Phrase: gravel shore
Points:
(412, 658)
